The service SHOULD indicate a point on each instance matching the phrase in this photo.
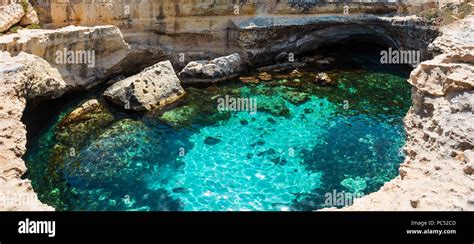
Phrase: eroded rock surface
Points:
(28, 70)
(153, 88)
(30, 16)
(436, 174)
(9, 15)
(84, 56)
(16, 194)
(219, 69)
(264, 39)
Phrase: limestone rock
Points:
(439, 127)
(39, 78)
(43, 80)
(454, 39)
(249, 79)
(444, 73)
(16, 194)
(10, 15)
(30, 16)
(471, 200)
(264, 76)
(153, 88)
(297, 35)
(84, 56)
(218, 69)
(469, 156)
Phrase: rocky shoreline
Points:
(438, 170)
(21, 79)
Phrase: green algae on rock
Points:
(80, 124)
(116, 156)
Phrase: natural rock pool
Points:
(306, 139)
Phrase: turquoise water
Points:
(306, 139)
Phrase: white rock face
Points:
(218, 69)
(16, 194)
(83, 55)
(437, 171)
(153, 88)
(28, 71)
(42, 79)
(10, 15)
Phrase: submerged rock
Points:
(117, 157)
(273, 105)
(211, 140)
(218, 69)
(85, 120)
(296, 98)
(153, 88)
(199, 107)
(179, 116)
(355, 185)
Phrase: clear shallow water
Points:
(301, 144)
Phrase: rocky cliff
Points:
(29, 70)
(16, 194)
(263, 39)
(437, 173)
(204, 30)
(438, 170)
(21, 14)
(84, 56)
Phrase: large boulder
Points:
(10, 15)
(153, 88)
(218, 69)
